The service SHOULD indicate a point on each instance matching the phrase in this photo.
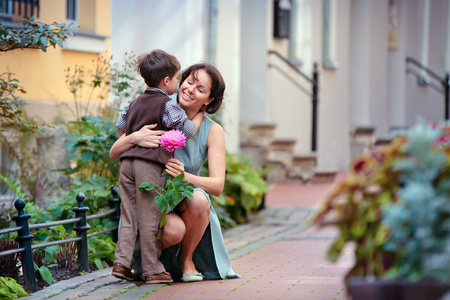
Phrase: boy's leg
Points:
(128, 229)
(149, 217)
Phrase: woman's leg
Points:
(174, 230)
(195, 214)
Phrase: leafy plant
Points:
(14, 122)
(393, 206)
(40, 266)
(244, 188)
(101, 250)
(10, 289)
(169, 197)
(34, 35)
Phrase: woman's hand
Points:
(148, 138)
(174, 167)
(144, 137)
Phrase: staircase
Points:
(259, 143)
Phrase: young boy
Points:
(140, 215)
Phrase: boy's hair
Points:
(157, 65)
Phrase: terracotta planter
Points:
(360, 288)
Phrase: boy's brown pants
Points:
(139, 214)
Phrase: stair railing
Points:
(421, 79)
(314, 94)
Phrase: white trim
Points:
(329, 34)
(296, 47)
(447, 37)
(424, 46)
(85, 43)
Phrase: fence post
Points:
(81, 229)
(24, 239)
(114, 202)
(315, 101)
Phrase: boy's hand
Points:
(148, 138)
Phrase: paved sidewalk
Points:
(278, 255)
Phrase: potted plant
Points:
(394, 207)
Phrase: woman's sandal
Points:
(191, 276)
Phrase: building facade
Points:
(360, 47)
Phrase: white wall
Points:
(180, 27)
(254, 31)
(176, 26)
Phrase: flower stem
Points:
(163, 221)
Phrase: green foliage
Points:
(12, 106)
(33, 35)
(10, 289)
(173, 192)
(420, 221)
(244, 188)
(101, 251)
(15, 186)
(88, 144)
(44, 272)
(394, 206)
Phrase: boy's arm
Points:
(175, 117)
(122, 121)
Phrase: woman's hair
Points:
(217, 86)
(157, 65)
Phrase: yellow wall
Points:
(42, 73)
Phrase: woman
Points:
(193, 223)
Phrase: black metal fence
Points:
(24, 237)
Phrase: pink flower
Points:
(173, 140)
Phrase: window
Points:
(329, 34)
(72, 10)
(6, 10)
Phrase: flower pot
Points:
(361, 288)
(424, 289)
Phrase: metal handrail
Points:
(444, 81)
(290, 64)
(314, 81)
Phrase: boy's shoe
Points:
(163, 277)
(122, 272)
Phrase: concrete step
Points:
(282, 145)
(304, 161)
(321, 177)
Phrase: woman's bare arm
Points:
(145, 137)
(214, 183)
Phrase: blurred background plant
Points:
(393, 207)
